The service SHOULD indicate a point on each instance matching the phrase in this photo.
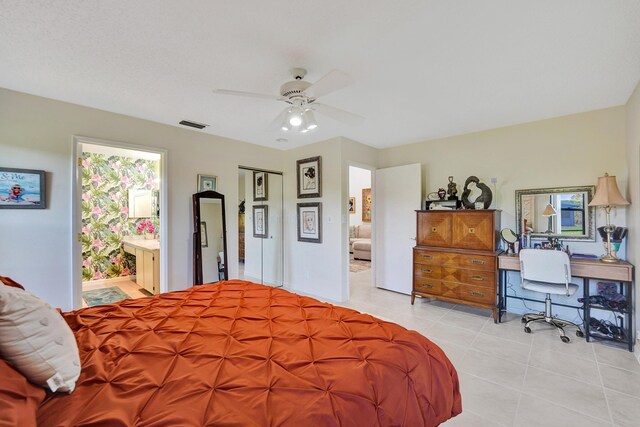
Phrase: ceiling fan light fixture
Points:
(295, 119)
(309, 121)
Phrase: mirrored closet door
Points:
(260, 226)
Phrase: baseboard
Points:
(112, 280)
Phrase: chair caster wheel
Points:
(527, 329)
(523, 320)
(579, 334)
(565, 339)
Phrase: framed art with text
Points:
(22, 189)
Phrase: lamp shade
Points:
(549, 210)
(607, 193)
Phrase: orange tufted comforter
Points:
(240, 354)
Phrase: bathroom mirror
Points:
(140, 203)
(209, 238)
(561, 212)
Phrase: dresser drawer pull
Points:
(434, 229)
(426, 256)
(472, 230)
(477, 294)
(427, 286)
(477, 277)
(426, 270)
(477, 261)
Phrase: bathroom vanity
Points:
(147, 253)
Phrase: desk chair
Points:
(549, 272)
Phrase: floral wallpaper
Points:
(105, 213)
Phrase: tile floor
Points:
(509, 378)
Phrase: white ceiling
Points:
(423, 69)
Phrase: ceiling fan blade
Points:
(337, 114)
(247, 94)
(330, 82)
(277, 122)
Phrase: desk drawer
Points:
(429, 286)
(474, 293)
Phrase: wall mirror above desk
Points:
(561, 212)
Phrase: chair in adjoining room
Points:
(549, 272)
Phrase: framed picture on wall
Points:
(366, 205)
(22, 189)
(260, 218)
(259, 186)
(309, 172)
(352, 205)
(310, 222)
(204, 239)
(207, 183)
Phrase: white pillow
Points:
(37, 341)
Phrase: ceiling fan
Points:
(302, 98)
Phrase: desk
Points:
(587, 269)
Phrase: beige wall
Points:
(569, 150)
(36, 133)
(633, 194)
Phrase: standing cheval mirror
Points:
(209, 238)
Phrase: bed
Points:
(236, 353)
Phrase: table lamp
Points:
(549, 212)
(607, 195)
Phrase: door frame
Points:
(76, 211)
(372, 170)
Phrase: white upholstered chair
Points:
(548, 272)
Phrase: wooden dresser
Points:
(455, 258)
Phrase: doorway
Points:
(360, 230)
(261, 226)
(119, 219)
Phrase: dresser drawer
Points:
(486, 279)
(475, 262)
(420, 256)
(429, 286)
(475, 294)
(427, 271)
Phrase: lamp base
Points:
(609, 258)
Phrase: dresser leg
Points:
(413, 298)
(495, 315)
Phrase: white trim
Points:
(76, 212)
(111, 280)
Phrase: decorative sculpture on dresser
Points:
(471, 187)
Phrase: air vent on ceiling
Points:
(193, 124)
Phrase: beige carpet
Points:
(358, 265)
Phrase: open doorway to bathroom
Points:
(360, 235)
(119, 222)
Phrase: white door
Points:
(398, 194)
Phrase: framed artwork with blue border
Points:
(22, 189)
